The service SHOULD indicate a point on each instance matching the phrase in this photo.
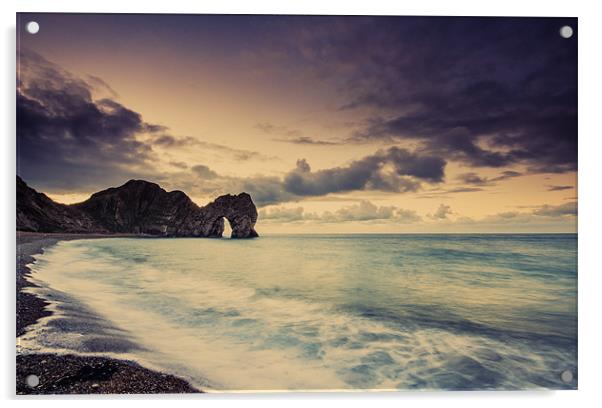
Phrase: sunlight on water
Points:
(320, 312)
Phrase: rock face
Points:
(137, 207)
(239, 210)
(37, 212)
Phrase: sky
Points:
(333, 124)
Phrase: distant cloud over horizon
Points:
(441, 219)
(442, 212)
(363, 211)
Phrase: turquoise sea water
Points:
(321, 312)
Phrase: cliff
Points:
(137, 207)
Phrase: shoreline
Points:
(75, 374)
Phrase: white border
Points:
(590, 290)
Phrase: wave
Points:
(222, 333)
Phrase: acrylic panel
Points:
(219, 203)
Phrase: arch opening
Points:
(227, 228)
(221, 227)
(235, 227)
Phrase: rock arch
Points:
(240, 212)
(137, 207)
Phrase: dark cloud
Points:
(66, 139)
(446, 193)
(482, 91)
(391, 170)
(559, 188)
(166, 140)
(475, 183)
(561, 210)
(369, 173)
(507, 175)
(204, 171)
(473, 178)
(463, 190)
(305, 140)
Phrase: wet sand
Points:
(72, 374)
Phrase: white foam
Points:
(225, 335)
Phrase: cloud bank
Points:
(364, 211)
(65, 138)
(69, 140)
(392, 170)
(479, 91)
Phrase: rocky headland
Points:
(137, 207)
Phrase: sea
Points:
(320, 312)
